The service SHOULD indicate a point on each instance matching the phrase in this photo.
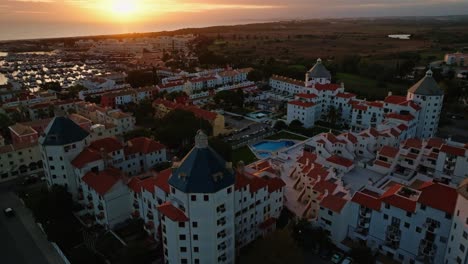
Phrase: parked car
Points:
(337, 257)
(347, 260)
(9, 212)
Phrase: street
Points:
(21, 240)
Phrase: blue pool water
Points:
(272, 145)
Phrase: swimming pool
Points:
(271, 146)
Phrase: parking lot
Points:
(244, 129)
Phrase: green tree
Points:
(275, 248)
(222, 148)
(280, 125)
(230, 99)
(179, 127)
(5, 122)
(362, 255)
(333, 115)
(255, 76)
(140, 78)
(296, 125)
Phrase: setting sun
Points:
(124, 7)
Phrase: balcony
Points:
(90, 197)
(393, 234)
(90, 206)
(101, 207)
(222, 246)
(150, 216)
(221, 222)
(136, 214)
(431, 225)
(136, 204)
(100, 216)
(364, 223)
(365, 212)
(427, 249)
(222, 234)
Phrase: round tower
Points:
(429, 96)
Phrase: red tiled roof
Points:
(438, 196)
(307, 156)
(340, 161)
(407, 117)
(305, 95)
(382, 163)
(360, 107)
(257, 183)
(375, 104)
(413, 143)
(162, 178)
(275, 184)
(391, 197)
(267, 223)
(103, 181)
(328, 86)
(142, 145)
(395, 99)
(86, 156)
(300, 103)
(367, 200)
(435, 142)
(350, 137)
(172, 212)
(388, 151)
(109, 144)
(345, 95)
(135, 184)
(325, 185)
(330, 137)
(317, 171)
(402, 127)
(457, 151)
(333, 203)
(241, 181)
(374, 132)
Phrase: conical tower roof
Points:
(426, 86)
(319, 71)
(62, 131)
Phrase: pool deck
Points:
(271, 153)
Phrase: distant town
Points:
(165, 149)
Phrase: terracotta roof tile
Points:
(172, 212)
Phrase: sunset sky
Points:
(51, 18)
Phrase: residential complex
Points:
(317, 97)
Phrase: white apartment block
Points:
(419, 110)
(458, 59)
(396, 195)
(17, 159)
(457, 251)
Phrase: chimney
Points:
(390, 93)
(240, 167)
(229, 165)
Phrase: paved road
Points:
(21, 240)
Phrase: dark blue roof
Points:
(202, 171)
(63, 131)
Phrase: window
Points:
(181, 224)
(387, 206)
(183, 261)
(408, 214)
(448, 216)
(418, 229)
(385, 216)
(407, 225)
(181, 237)
(193, 197)
(229, 190)
(172, 190)
(465, 235)
(195, 224)
(443, 239)
(330, 212)
(195, 237)
(196, 261)
(462, 248)
(195, 249)
(206, 197)
(423, 207)
(183, 249)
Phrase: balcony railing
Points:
(427, 248)
(393, 234)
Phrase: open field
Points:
(243, 154)
(369, 87)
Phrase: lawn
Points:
(244, 154)
(286, 135)
(369, 88)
